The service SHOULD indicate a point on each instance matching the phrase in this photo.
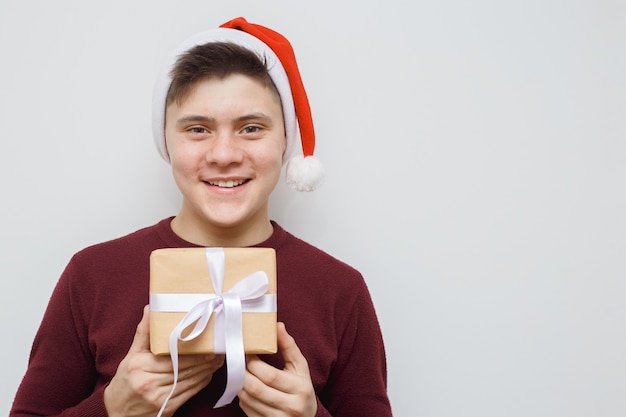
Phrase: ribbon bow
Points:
(227, 307)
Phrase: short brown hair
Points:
(215, 59)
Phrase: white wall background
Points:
(476, 161)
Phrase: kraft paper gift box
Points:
(184, 273)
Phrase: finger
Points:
(141, 341)
(192, 364)
(194, 378)
(267, 388)
(190, 367)
(295, 364)
(294, 360)
(266, 376)
(257, 398)
(260, 371)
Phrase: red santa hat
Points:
(303, 170)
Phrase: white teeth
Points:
(227, 184)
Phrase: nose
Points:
(224, 149)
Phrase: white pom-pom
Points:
(304, 174)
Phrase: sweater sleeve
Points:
(61, 377)
(357, 386)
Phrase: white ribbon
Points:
(248, 294)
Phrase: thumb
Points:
(294, 360)
(141, 342)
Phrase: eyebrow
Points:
(193, 118)
(262, 117)
(197, 118)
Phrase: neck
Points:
(210, 235)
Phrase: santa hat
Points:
(303, 170)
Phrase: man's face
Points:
(226, 141)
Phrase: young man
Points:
(228, 111)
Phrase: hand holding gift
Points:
(143, 380)
(268, 391)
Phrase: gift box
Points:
(187, 281)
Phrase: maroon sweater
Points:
(93, 313)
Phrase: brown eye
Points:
(251, 129)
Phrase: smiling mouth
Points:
(227, 183)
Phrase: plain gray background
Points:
(475, 155)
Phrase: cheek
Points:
(273, 158)
(180, 151)
(183, 160)
(281, 146)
